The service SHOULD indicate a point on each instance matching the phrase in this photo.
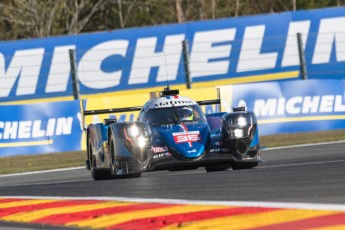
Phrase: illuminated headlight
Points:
(141, 141)
(238, 133)
(241, 121)
(133, 131)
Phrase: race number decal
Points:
(192, 136)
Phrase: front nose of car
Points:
(187, 142)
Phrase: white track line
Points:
(301, 164)
(294, 205)
(44, 171)
(304, 145)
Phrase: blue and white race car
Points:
(171, 133)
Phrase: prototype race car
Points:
(171, 133)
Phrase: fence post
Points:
(301, 57)
(186, 63)
(74, 74)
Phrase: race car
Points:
(171, 133)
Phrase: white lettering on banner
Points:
(293, 105)
(24, 130)
(281, 103)
(299, 105)
(59, 70)
(145, 58)
(310, 104)
(250, 56)
(204, 50)
(29, 129)
(210, 55)
(10, 130)
(36, 129)
(89, 68)
(265, 107)
(291, 56)
(326, 104)
(51, 127)
(339, 107)
(25, 65)
(63, 125)
(331, 30)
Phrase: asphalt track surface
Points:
(308, 174)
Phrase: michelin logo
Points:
(10, 130)
(298, 105)
(210, 55)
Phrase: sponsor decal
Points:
(219, 150)
(161, 155)
(174, 102)
(192, 151)
(159, 149)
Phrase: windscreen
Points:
(175, 115)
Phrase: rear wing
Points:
(136, 108)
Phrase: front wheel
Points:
(113, 164)
(112, 157)
(97, 174)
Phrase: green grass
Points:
(25, 163)
(302, 138)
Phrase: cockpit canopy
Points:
(174, 115)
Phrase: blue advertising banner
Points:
(280, 107)
(245, 49)
(40, 128)
(291, 106)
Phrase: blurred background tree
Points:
(21, 19)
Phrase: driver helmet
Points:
(185, 114)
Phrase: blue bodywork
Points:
(173, 138)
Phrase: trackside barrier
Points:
(281, 107)
(223, 51)
(39, 128)
(290, 106)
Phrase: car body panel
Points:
(172, 133)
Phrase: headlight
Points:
(141, 141)
(236, 126)
(238, 133)
(241, 121)
(133, 131)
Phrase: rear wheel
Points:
(213, 168)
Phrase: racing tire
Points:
(245, 165)
(113, 165)
(97, 174)
(214, 168)
(112, 157)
